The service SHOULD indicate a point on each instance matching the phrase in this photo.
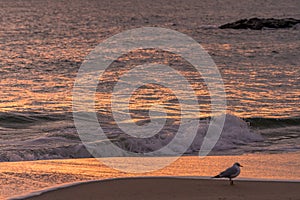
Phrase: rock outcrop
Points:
(261, 23)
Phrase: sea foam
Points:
(66, 143)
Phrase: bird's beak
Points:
(241, 166)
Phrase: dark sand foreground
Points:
(176, 188)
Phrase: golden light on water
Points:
(44, 43)
(42, 93)
(250, 93)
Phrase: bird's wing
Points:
(229, 172)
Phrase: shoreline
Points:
(24, 178)
(189, 187)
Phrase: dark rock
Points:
(260, 23)
(296, 27)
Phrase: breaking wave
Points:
(63, 141)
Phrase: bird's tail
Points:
(218, 176)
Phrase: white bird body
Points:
(230, 172)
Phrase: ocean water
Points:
(43, 44)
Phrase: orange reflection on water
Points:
(35, 94)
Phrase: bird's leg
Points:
(231, 181)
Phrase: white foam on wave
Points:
(44, 152)
(236, 133)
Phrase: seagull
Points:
(231, 172)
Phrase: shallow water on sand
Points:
(18, 178)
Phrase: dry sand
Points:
(176, 188)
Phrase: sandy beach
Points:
(162, 188)
(22, 178)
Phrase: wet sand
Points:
(22, 178)
(175, 188)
